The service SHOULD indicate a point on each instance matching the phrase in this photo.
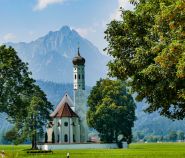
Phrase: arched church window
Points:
(75, 76)
(79, 76)
(66, 124)
(66, 138)
(83, 77)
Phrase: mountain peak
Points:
(64, 31)
(65, 28)
(50, 56)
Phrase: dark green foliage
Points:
(147, 47)
(24, 102)
(14, 83)
(181, 135)
(11, 135)
(38, 114)
(111, 110)
(173, 136)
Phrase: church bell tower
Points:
(80, 99)
(79, 73)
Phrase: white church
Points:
(69, 123)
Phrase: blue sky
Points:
(26, 20)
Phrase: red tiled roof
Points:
(65, 111)
(66, 99)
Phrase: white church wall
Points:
(55, 129)
(71, 130)
(77, 146)
(65, 129)
(76, 130)
(81, 110)
(49, 133)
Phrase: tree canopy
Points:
(111, 110)
(21, 99)
(14, 82)
(148, 50)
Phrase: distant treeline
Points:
(172, 136)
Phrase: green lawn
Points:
(163, 150)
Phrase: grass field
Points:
(163, 150)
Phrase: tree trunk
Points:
(116, 136)
(34, 142)
(34, 136)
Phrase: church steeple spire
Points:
(78, 53)
(78, 60)
(78, 50)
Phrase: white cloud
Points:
(125, 4)
(84, 32)
(9, 37)
(41, 4)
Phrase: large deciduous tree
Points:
(148, 50)
(21, 99)
(111, 110)
(14, 82)
(38, 112)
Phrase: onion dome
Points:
(78, 60)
